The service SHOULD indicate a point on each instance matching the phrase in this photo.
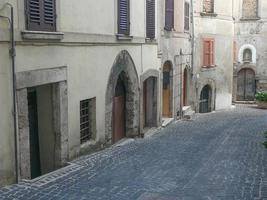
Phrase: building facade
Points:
(250, 71)
(175, 37)
(213, 55)
(83, 80)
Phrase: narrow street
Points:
(217, 156)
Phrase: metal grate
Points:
(87, 119)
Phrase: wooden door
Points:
(150, 102)
(185, 88)
(246, 87)
(166, 111)
(119, 112)
(34, 135)
(205, 100)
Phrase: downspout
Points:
(12, 54)
(193, 48)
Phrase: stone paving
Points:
(217, 156)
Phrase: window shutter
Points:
(169, 14)
(49, 15)
(186, 16)
(150, 19)
(41, 15)
(206, 53)
(124, 17)
(211, 52)
(208, 59)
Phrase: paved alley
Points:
(217, 156)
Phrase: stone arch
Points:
(151, 73)
(123, 67)
(205, 104)
(246, 47)
(202, 83)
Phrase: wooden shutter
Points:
(124, 17)
(169, 14)
(41, 15)
(208, 48)
(150, 19)
(186, 16)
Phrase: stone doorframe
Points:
(155, 74)
(123, 65)
(57, 77)
(201, 84)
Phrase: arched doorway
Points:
(150, 105)
(246, 85)
(185, 87)
(119, 111)
(122, 100)
(167, 90)
(205, 99)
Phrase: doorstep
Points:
(166, 121)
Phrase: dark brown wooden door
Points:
(185, 88)
(166, 94)
(246, 86)
(119, 112)
(205, 100)
(34, 135)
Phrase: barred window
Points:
(87, 119)
(250, 9)
(208, 6)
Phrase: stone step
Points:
(166, 121)
(188, 113)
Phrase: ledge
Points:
(206, 14)
(250, 19)
(42, 35)
(124, 37)
(207, 68)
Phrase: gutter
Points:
(12, 54)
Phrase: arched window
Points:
(247, 56)
(208, 6)
(250, 9)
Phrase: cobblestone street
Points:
(217, 156)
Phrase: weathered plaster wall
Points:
(221, 29)
(253, 33)
(88, 50)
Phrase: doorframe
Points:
(143, 77)
(237, 69)
(123, 63)
(27, 79)
(171, 103)
(202, 82)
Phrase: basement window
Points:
(87, 120)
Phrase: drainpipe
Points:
(12, 54)
(181, 84)
(193, 41)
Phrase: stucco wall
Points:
(221, 28)
(88, 50)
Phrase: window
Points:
(169, 15)
(87, 119)
(124, 17)
(186, 16)
(247, 56)
(250, 9)
(150, 19)
(41, 15)
(208, 49)
(208, 6)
